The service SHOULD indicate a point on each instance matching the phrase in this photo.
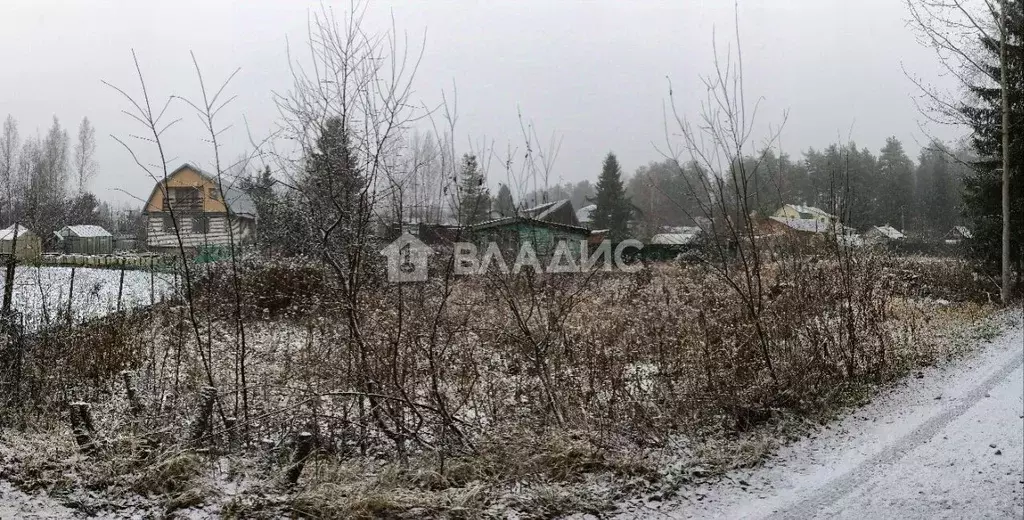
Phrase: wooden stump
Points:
(134, 404)
(303, 448)
(82, 427)
(201, 425)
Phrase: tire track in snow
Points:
(839, 487)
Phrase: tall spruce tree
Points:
(333, 186)
(983, 186)
(937, 191)
(503, 203)
(474, 200)
(896, 183)
(613, 208)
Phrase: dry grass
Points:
(603, 388)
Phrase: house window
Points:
(213, 194)
(168, 224)
(200, 225)
(185, 197)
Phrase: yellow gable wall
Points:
(187, 178)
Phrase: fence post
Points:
(120, 288)
(71, 295)
(12, 260)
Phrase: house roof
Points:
(237, 200)
(8, 234)
(889, 232)
(811, 226)
(685, 230)
(83, 231)
(963, 231)
(675, 239)
(544, 210)
(585, 214)
(804, 225)
(817, 212)
(514, 220)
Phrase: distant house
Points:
(202, 216)
(683, 237)
(799, 225)
(806, 213)
(679, 241)
(957, 235)
(809, 231)
(511, 232)
(29, 245)
(886, 233)
(84, 240)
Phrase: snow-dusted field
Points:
(40, 293)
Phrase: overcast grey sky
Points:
(592, 72)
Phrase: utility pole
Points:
(1004, 292)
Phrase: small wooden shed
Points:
(29, 246)
(543, 236)
(85, 240)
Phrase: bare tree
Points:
(42, 176)
(346, 113)
(85, 148)
(718, 146)
(8, 163)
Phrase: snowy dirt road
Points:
(948, 443)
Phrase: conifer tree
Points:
(474, 201)
(503, 203)
(896, 194)
(983, 186)
(613, 208)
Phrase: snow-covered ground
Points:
(17, 504)
(40, 293)
(949, 444)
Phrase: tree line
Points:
(923, 197)
(45, 181)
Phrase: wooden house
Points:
(29, 246)
(511, 232)
(191, 204)
(84, 240)
(957, 234)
